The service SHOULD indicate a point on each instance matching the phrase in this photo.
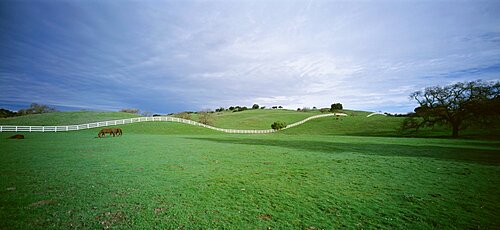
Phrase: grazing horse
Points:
(117, 131)
(17, 136)
(103, 132)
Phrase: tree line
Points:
(34, 108)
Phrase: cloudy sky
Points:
(169, 56)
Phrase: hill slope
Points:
(65, 118)
(355, 124)
(256, 119)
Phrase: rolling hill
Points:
(355, 124)
(325, 173)
(65, 118)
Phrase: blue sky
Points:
(169, 56)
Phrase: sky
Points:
(172, 56)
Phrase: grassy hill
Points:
(318, 175)
(355, 124)
(166, 128)
(256, 119)
(65, 118)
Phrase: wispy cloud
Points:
(172, 56)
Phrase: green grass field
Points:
(258, 119)
(65, 118)
(326, 174)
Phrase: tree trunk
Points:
(455, 130)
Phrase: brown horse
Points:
(103, 132)
(117, 131)
(17, 136)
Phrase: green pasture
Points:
(65, 118)
(256, 119)
(324, 174)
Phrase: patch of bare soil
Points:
(159, 210)
(42, 203)
(265, 216)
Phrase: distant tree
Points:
(298, 109)
(184, 115)
(457, 105)
(37, 109)
(324, 110)
(314, 108)
(220, 109)
(277, 125)
(205, 117)
(134, 111)
(263, 107)
(335, 106)
(231, 108)
(275, 107)
(147, 114)
(280, 107)
(400, 114)
(255, 106)
(7, 113)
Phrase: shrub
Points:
(7, 113)
(255, 106)
(134, 111)
(205, 117)
(183, 115)
(277, 125)
(335, 107)
(324, 110)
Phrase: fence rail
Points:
(10, 128)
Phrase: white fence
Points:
(10, 128)
(372, 114)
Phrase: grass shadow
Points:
(473, 155)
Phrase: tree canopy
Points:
(335, 107)
(456, 105)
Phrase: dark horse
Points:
(103, 132)
(17, 136)
(117, 131)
